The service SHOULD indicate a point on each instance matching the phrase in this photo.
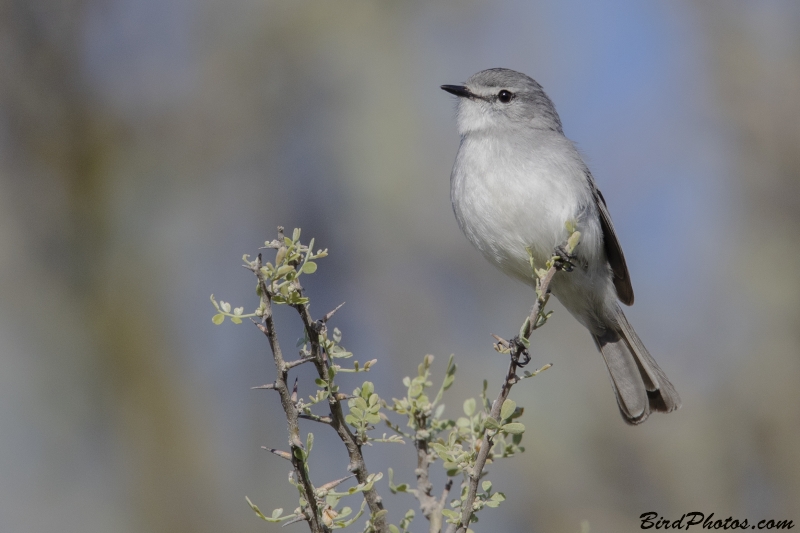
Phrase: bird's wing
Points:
(622, 280)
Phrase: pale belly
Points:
(506, 206)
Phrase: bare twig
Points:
(518, 350)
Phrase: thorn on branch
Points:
(501, 345)
(279, 453)
(333, 484)
(299, 518)
(330, 314)
(267, 386)
(315, 418)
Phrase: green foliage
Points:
(456, 443)
(292, 259)
(224, 309)
(365, 408)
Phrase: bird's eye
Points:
(505, 96)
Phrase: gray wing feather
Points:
(622, 280)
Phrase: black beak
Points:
(458, 90)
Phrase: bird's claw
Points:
(519, 352)
(564, 261)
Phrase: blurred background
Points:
(145, 145)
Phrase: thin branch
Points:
(445, 492)
(518, 350)
(357, 465)
(431, 507)
(427, 502)
(315, 418)
(267, 326)
(395, 427)
(291, 364)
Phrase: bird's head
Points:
(503, 99)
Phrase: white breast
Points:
(509, 193)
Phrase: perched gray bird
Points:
(516, 182)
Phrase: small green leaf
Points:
(280, 255)
(361, 403)
(440, 449)
(525, 328)
(367, 389)
(491, 423)
(393, 529)
(573, 241)
(469, 407)
(514, 428)
(310, 267)
(508, 409)
(218, 319)
(448, 381)
(277, 512)
(236, 320)
(225, 306)
(486, 486)
(282, 271)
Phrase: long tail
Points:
(638, 382)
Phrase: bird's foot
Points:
(565, 259)
(519, 353)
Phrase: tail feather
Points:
(638, 382)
